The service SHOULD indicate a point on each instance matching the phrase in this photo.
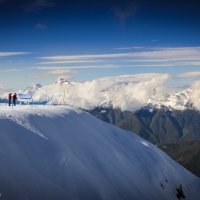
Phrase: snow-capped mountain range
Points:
(128, 92)
(59, 152)
(177, 100)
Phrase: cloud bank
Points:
(195, 94)
(190, 74)
(128, 92)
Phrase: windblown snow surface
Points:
(62, 153)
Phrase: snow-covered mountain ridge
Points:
(128, 92)
(58, 152)
(177, 100)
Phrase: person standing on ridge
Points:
(9, 99)
(14, 99)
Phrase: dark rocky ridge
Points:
(178, 131)
(156, 126)
(185, 153)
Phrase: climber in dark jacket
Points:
(14, 99)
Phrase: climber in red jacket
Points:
(9, 99)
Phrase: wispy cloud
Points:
(191, 74)
(179, 56)
(86, 57)
(76, 67)
(40, 26)
(151, 65)
(55, 73)
(158, 53)
(9, 70)
(70, 61)
(171, 53)
(36, 5)
(192, 63)
(129, 48)
(192, 60)
(4, 54)
(154, 41)
(60, 72)
(123, 12)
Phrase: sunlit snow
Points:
(77, 156)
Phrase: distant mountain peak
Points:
(177, 100)
(106, 103)
(37, 85)
(61, 81)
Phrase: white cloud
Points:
(129, 48)
(195, 94)
(151, 65)
(77, 67)
(192, 60)
(60, 72)
(40, 26)
(86, 57)
(55, 73)
(179, 56)
(193, 63)
(128, 92)
(175, 53)
(70, 61)
(5, 54)
(190, 74)
(9, 70)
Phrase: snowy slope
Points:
(56, 152)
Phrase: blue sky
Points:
(41, 40)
